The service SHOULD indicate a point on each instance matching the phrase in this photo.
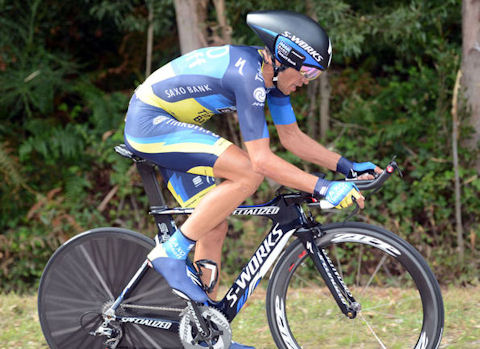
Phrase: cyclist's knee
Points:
(250, 182)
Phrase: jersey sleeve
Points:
(251, 112)
(280, 108)
(245, 81)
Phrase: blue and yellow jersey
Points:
(214, 80)
(163, 118)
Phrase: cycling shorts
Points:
(185, 153)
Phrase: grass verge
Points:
(20, 327)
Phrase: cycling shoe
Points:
(236, 345)
(175, 273)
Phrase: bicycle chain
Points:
(146, 307)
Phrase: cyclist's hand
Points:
(357, 170)
(363, 170)
(339, 194)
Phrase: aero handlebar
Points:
(368, 184)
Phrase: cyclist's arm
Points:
(300, 144)
(266, 163)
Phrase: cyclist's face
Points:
(289, 80)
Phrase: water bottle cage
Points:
(213, 267)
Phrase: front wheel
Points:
(400, 300)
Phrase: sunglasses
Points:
(310, 73)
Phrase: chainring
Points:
(220, 332)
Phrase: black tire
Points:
(90, 271)
(402, 305)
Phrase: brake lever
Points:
(354, 211)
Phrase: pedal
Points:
(213, 267)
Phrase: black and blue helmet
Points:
(294, 39)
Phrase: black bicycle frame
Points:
(288, 219)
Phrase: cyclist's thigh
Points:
(187, 188)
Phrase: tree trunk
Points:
(225, 29)
(191, 16)
(471, 68)
(224, 36)
(325, 91)
(458, 201)
(148, 64)
(312, 120)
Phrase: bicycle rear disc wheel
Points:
(86, 274)
(401, 303)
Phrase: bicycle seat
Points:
(123, 151)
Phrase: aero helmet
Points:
(294, 39)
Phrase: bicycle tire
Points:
(86, 274)
(298, 319)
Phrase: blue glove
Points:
(339, 194)
(354, 169)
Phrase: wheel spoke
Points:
(65, 331)
(372, 331)
(146, 336)
(97, 273)
(379, 265)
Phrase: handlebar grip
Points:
(377, 182)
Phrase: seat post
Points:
(165, 223)
(150, 183)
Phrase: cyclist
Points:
(164, 115)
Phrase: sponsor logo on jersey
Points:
(240, 64)
(159, 119)
(259, 75)
(310, 50)
(197, 181)
(259, 94)
(227, 110)
(183, 90)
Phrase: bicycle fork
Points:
(340, 292)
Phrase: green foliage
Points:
(67, 70)
(34, 75)
(131, 15)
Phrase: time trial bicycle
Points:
(336, 285)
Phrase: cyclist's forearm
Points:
(272, 166)
(306, 148)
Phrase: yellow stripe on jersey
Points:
(202, 170)
(191, 147)
(193, 201)
(187, 110)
